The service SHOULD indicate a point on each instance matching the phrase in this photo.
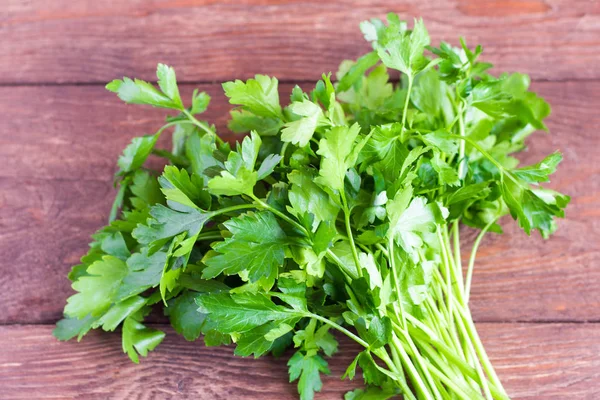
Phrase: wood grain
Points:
(539, 361)
(59, 155)
(95, 41)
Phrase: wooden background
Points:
(537, 303)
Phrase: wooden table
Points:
(537, 303)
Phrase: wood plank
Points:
(96, 41)
(59, 155)
(534, 361)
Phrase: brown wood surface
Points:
(536, 302)
(534, 361)
(95, 41)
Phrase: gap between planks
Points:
(216, 82)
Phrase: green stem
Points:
(231, 209)
(280, 215)
(472, 259)
(201, 125)
(339, 262)
(412, 371)
(398, 376)
(461, 149)
(420, 362)
(476, 340)
(209, 236)
(483, 380)
(349, 233)
(406, 102)
(457, 390)
(392, 260)
(282, 153)
(339, 328)
(447, 271)
(456, 243)
(455, 270)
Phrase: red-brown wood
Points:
(95, 41)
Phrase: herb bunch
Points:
(337, 213)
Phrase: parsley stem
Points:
(230, 209)
(173, 123)
(420, 361)
(406, 102)
(412, 370)
(461, 149)
(472, 259)
(471, 349)
(339, 262)
(282, 153)
(201, 125)
(339, 328)
(392, 260)
(447, 271)
(476, 340)
(456, 243)
(349, 233)
(455, 269)
(281, 215)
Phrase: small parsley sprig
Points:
(339, 212)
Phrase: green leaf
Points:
(268, 165)
(144, 272)
(200, 101)
(257, 246)
(141, 92)
(164, 223)
(118, 312)
(308, 369)
(68, 328)
(138, 339)
(243, 121)
(136, 153)
(259, 95)
(443, 141)
(306, 196)
(299, 132)
(239, 176)
(446, 174)
(167, 82)
(377, 334)
(254, 341)
(200, 149)
(145, 189)
(403, 50)
(339, 152)
(410, 218)
(385, 150)
(357, 70)
(228, 184)
(230, 313)
(96, 290)
(533, 209)
(178, 186)
(541, 171)
(184, 316)
(114, 244)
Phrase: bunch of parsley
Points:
(339, 212)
